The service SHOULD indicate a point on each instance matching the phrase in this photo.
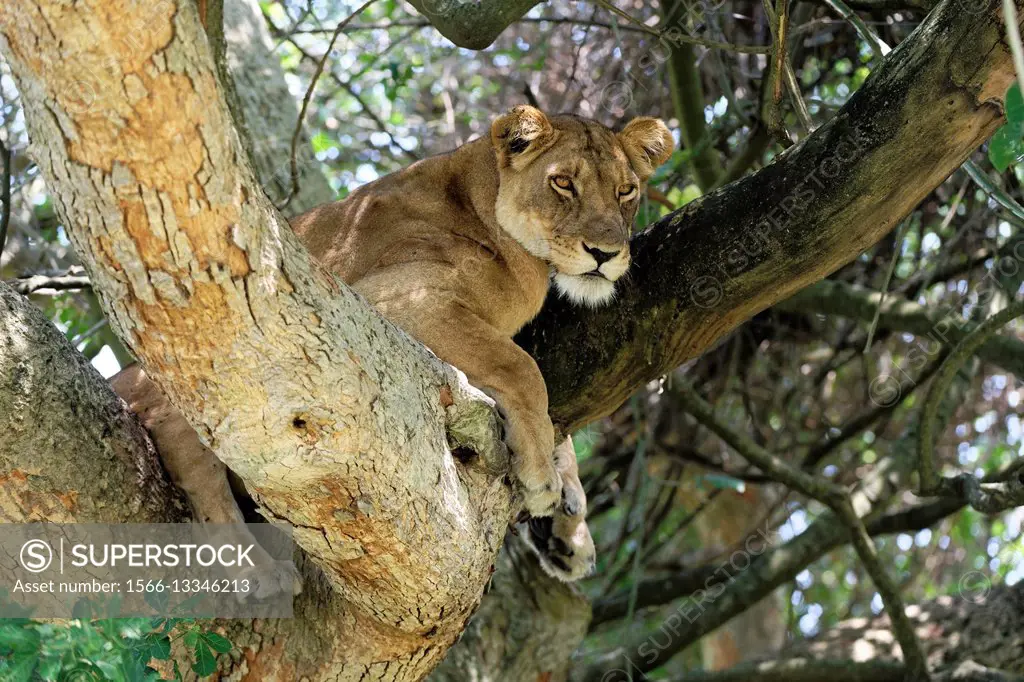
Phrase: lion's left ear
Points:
(522, 130)
(648, 144)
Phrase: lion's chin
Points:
(587, 290)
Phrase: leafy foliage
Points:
(118, 650)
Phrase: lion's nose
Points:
(600, 255)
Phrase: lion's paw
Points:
(563, 545)
(542, 488)
(268, 578)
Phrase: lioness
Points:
(460, 250)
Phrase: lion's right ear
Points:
(521, 130)
(648, 144)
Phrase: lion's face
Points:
(569, 191)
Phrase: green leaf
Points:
(220, 644)
(1006, 147)
(1014, 104)
(159, 646)
(205, 663)
(321, 143)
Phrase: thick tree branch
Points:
(703, 270)
(70, 451)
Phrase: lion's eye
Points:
(626, 191)
(562, 183)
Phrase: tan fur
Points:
(459, 250)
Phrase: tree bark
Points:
(527, 627)
(70, 450)
(210, 289)
(472, 24)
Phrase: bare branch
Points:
(72, 280)
(988, 497)
(309, 96)
(831, 297)
(833, 497)
(705, 269)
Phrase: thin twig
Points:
(71, 280)
(771, 111)
(861, 422)
(896, 248)
(309, 96)
(1013, 35)
(995, 193)
(642, 28)
(985, 497)
(799, 105)
(5, 194)
(347, 87)
(679, 36)
(877, 45)
(628, 17)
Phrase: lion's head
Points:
(569, 189)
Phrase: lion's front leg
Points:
(494, 364)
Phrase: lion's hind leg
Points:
(200, 474)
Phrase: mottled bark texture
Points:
(335, 420)
(522, 628)
(69, 448)
(701, 271)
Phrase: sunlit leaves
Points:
(1007, 144)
